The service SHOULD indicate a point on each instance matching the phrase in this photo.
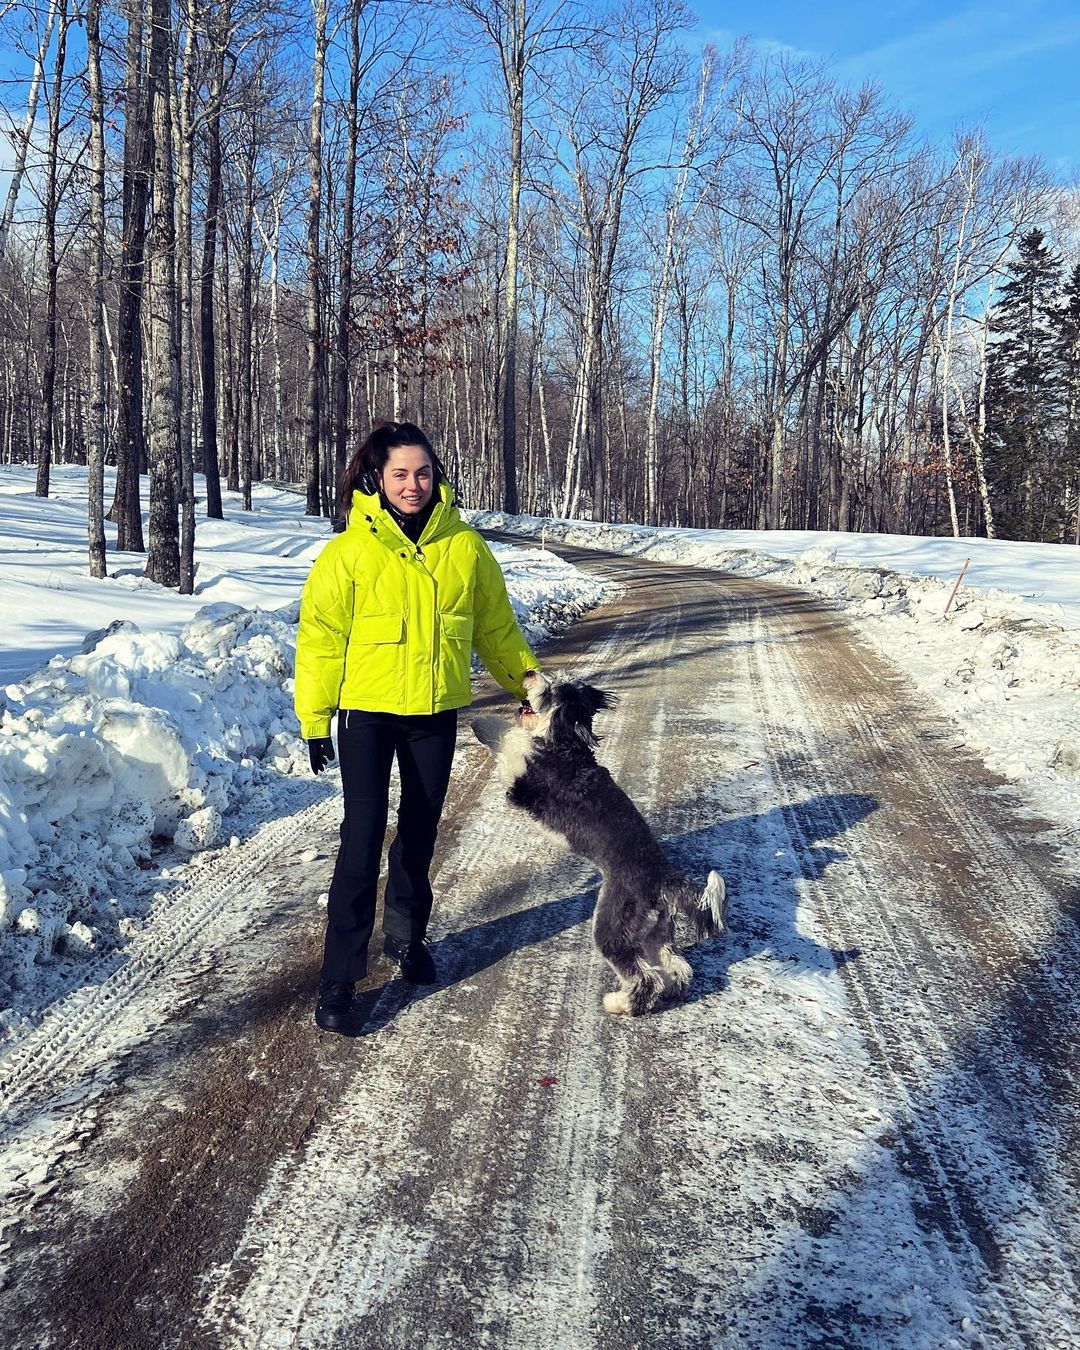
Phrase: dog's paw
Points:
(678, 974)
(617, 1003)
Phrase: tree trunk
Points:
(247, 321)
(508, 383)
(22, 140)
(95, 517)
(206, 292)
(344, 314)
(185, 146)
(316, 357)
(163, 559)
(227, 379)
(126, 508)
(48, 375)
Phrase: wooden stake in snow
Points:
(959, 579)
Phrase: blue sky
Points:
(1014, 68)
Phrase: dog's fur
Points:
(548, 763)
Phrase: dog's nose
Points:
(528, 677)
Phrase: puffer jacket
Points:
(390, 626)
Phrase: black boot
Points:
(414, 959)
(334, 1004)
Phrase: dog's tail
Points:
(707, 912)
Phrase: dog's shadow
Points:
(767, 860)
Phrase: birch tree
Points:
(23, 138)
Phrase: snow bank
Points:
(141, 737)
(1005, 667)
(147, 738)
(546, 592)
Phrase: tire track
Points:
(964, 1137)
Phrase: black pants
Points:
(367, 744)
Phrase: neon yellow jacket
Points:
(390, 626)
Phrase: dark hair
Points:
(576, 704)
(362, 471)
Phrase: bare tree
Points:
(96, 431)
(22, 140)
(130, 445)
(184, 136)
(781, 124)
(163, 558)
(678, 223)
(519, 34)
(316, 351)
(217, 36)
(623, 77)
(48, 375)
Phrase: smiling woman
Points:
(408, 479)
(390, 616)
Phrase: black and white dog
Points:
(548, 764)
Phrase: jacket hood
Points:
(368, 510)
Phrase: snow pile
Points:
(141, 737)
(1005, 667)
(546, 592)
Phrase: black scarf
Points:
(411, 524)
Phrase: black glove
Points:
(320, 752)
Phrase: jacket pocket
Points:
(371, 628)
(457, 627)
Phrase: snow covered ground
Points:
(1004, 662)
(134, 718)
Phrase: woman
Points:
(389, 618)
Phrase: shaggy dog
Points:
(550, 770)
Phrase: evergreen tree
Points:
(1025, 396)
(1070, 450)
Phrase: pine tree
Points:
(1070, 450)
(1025, 396)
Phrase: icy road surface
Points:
(860, 1130)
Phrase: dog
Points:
(548, 764)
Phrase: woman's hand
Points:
(320, 753)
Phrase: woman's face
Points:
(408, 479)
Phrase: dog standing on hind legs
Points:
(548, 764)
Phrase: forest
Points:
(612, 271)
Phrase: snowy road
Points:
(861, 1129)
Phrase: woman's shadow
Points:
(764, 859)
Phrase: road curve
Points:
(860, 1129)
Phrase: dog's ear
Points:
(597, 700)
(572, 719)
(569, 722)
(584, 732)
